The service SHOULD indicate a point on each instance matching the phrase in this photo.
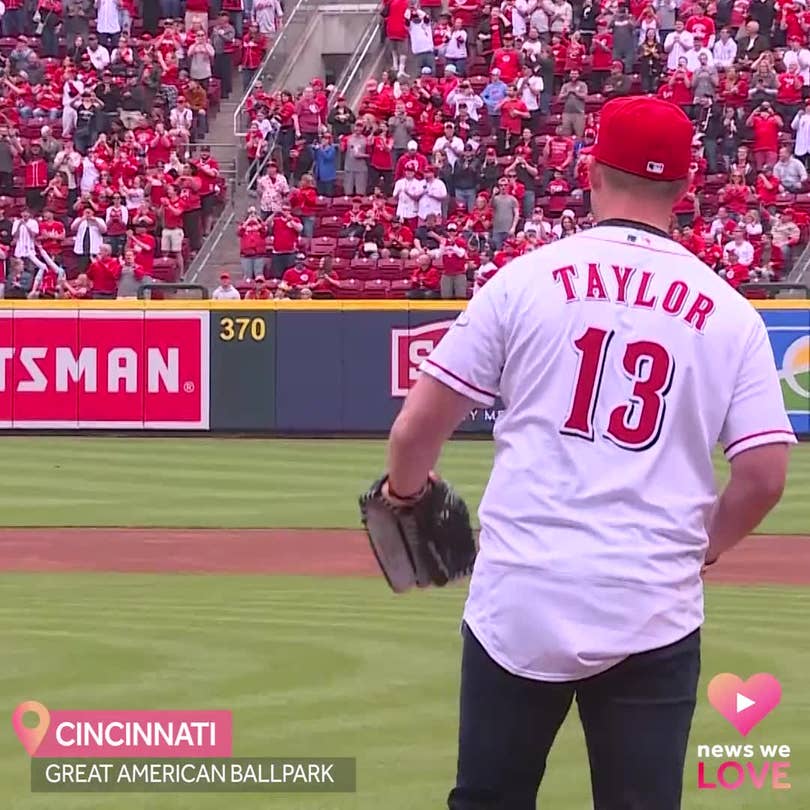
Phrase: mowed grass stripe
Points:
(382, 688)
(196, 482)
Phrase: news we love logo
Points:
(744, 704)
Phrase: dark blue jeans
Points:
(636, 718)
(171, 8)
(14, 22)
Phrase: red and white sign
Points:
(409, 347)
(73, 368)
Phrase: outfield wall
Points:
(275, 366)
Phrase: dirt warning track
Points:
(765, 559)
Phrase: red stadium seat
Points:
(166, 269)
(340, 205)
(399, 288)
(341, 268)
(322, 205)
(391, 269)
(375, 288)
(328, 226)
(323, 246)
(347, 247)
(350, 288)
(803, 202)
(364, 269)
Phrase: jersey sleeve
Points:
(470, 357)
(756, 415)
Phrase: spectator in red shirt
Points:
(143, 217)
(259, 291)
(117, 219)
(425, 278)
(507, 60)
(558, 50)
(143, 245)
(208, 175)
(701, 24)
(767, 186)
(722, 226)
(575, 53)
(299, 277)
(56, 196)
(691, 241)
(285, 229)
(36, 177)
(171, 240)
(789, 93)
(680, 84)
(453, 250)
(252, 234)
(396, 31)
(558, 153)
(733, 91)
(558, 186)
(733, 271)
(51, 234)
(381, 159)
(104, 272)
(399, 238)
(49, 280)
(513, 112)
(308, 118)
(412, 156)
(190, 186)
(766, 125)
(304, 201)
(734, 195)
(601, 54)
(768, 260)
(254, 47)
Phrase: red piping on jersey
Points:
(460, 379)
(756, 436)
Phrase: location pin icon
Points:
(31, 737)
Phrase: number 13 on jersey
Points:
(636, 423)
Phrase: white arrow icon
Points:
(744, 703)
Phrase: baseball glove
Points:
(426, 542)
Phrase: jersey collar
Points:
(631, 223)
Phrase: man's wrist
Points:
(393, 494)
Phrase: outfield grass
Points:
(337, 667)
(238, 483)
(311, 667)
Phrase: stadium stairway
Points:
(301, 32)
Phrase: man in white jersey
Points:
(621, 361)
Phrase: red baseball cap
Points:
(646, 137)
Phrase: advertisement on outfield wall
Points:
(789, 331)
(254, 369)
(124, 369)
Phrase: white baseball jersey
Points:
(621, 360)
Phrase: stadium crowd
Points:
(102, 106)
(475, 145)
